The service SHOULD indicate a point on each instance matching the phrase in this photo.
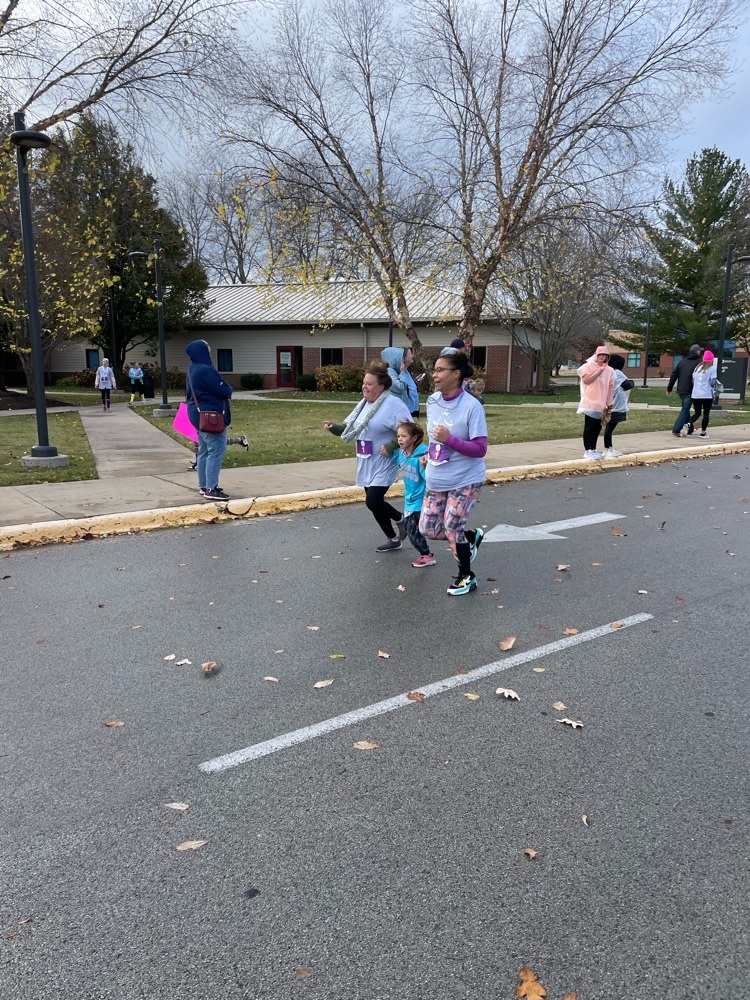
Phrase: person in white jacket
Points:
(704, 381)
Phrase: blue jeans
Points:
(211, 448)
(684, 415)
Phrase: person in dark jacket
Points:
(683, 376)
(207, 390)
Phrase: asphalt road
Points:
(341, 874)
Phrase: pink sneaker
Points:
(428, 560)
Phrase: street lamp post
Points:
(647, 345)
(42, 454)
(164, 410)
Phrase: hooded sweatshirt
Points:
(683, 374)
(394, 358)
(597, 387)
(211, 391)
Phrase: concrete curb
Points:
(20, 536)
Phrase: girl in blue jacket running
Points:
(410, 464)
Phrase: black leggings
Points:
(609, 430)
(591, 428)
(705, 406)
(416, 537)
(381, 510)
(105, 395)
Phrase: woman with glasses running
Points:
(455, 469)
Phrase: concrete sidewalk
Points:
(143, 469)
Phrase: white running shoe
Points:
(592, 455)
(612, 453)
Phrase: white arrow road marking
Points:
(402, 701)
(541, 532)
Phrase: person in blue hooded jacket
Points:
(207, 390)
(404, 387)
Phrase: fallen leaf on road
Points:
(172, 656)
(507, 693)
(323, 684)
(570, 722)
(530, 988)
(415, 696)
(538, 670)
(384, 656)
(273, 680)
(302, 974)
(114, 724)
(278, 650)
(313, 628)
(508, 643)
(616, 532)
(530, 854)
(559, 705)
(24, 921)
(183, 662)
(191, 845)
(557, 579)
(471, 697)
(402, 589)
(495, 590)
(462, 671)
(615, 624)
(179, 806)
(279, 602)
(134, 627)
(100, 605)
(570, 996)
(562, 566)
(365, 745)
(662, 526)
(642, 591)
(729, 552)
(585, 820)
(544, 626)
(209, 667)
(337, 656)
(570, 631)
(596, 564)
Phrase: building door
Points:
(288, 366)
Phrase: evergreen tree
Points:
(681, 272)
(119, 199)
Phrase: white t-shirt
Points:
(372, 468)
(464, 417)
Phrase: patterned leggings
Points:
(417, 539)
(444, 515)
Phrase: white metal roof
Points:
(328, 304)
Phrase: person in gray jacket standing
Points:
(683, 376)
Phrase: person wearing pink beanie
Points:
(704, 382)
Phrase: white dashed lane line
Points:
(268, 747)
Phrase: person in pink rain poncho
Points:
(597, 396)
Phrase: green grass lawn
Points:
(18, 434)
(292, 432)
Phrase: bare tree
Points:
(326, 117)
(133, 57)
(538, 110)
(561, 281)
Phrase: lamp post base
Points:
(48, 459)
(165, 411)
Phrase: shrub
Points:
(83, 379)
(328, 378)
(175, 378)
(307, 383)
(252, 380)
(351, 379)
(68, 382)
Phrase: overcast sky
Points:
(722, 121)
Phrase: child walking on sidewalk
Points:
(409, 458)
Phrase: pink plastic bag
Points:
(182, 425)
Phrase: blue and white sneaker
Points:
(463, 585)
(478, 536)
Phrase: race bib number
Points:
(437, 453)
(364, 449)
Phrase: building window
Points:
(654, 361)
(634, 359)
(224, 360)
(331, 356)
(92, 357)
(479, 357)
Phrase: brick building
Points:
(283, 331)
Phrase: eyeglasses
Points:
(445, 369)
